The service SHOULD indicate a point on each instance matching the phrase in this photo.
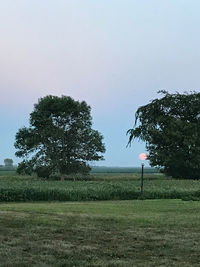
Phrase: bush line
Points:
(32, 194)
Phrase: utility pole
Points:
(142, 156)
(142, 180)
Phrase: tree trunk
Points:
(62, 177)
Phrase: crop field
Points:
(118, 170)
(7, 173)
(105, 233)
(64, 223)
(99, 186)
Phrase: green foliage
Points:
(60, 138)
(24, 168)
(8, 162)
(8, 172)
(43, 171)
(107, 187)
(170, 126)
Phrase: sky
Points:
(114, 54)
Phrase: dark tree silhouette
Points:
(170, 126)
(60, 138)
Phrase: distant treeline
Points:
(103, 169)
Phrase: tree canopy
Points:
(8, 162)
(170, 126)
(60, 138)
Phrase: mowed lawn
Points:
(101, 233)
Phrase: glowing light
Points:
(143, 156)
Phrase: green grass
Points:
(112, 233)
(99, 233)
(8, 173)
(99, 187)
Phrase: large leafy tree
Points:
(170, 126)
(60, 138)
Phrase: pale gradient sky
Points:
(114, 54)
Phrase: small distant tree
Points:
(8, 162)
(60, 138)
(170, 126)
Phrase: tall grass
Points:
(103, 187)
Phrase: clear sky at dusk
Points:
(114, 54)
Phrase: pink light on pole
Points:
(143, 156)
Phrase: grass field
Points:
(95, 170)
(159, 232)
(7, 173)
(111, 186)
(118, 170)
(111, 233)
